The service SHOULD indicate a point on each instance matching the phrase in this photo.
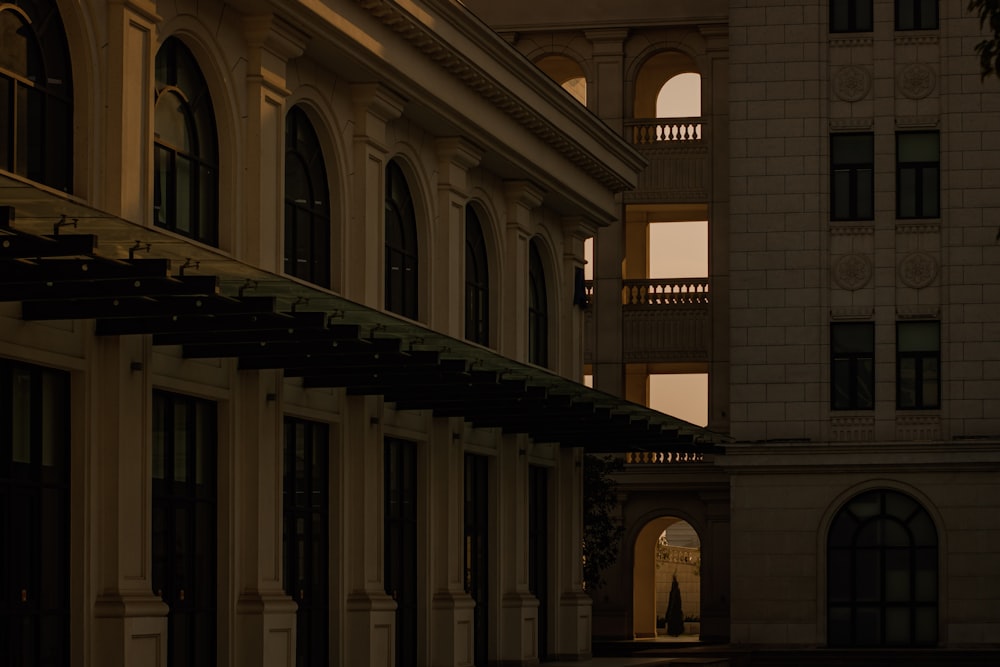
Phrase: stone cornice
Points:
(467, 69)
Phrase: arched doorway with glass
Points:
(666, 581)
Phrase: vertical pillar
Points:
(606, 97)
(455, 157)
(128, 113)
(374, 107)
(575, 232)
(370, 620)
(518, 640)
(521, 198)
(265, 615)
(130, 623)
(452, 620)
(271, 42)
(574, 618)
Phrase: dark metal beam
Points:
(110, 288)
(26, 246)
(72, 309)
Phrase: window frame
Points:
(312, 262)
(855, 171)
(857, 540)
(538, 308)
(477, 280)
(920, 21)
(401, 245)
(201, 184)
(920, 382)
(857, 12)
(36, 103)
(926, 180)
(855, 369)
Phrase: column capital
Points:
(456, 156)
(374, 106)
(273, 33)
(607, 41)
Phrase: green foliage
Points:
(988, 12)
(602, 531)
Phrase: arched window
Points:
(307, 202)
(538, 309)
(186, 162)
(882, 573)
(36, 95)
(400, 245)
(477, 281)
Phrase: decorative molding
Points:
(916, 81)
(918, 427)
(918, 227)
(918, 312)
(921, 39)
(849, 42)
(470, 72)
(852, 83)
(852, 429)
(851, 124)
(852, 272)
(918, 122)
(918, 270)
(852, 229)
(852, 313)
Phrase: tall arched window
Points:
(186, 153)
(307, 202)
(477, 281)
(882, 573)
(36, 94)
(538, 309)
(400, 245)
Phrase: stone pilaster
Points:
(456, 157)
(271, 44)
(374, 107)
(265, 615)
(574, 618)
(518, 638)
(130, 622)
(521, 198)
(575, 232)
(370, 620)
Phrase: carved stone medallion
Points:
(852, 83)
(852, 272)
(916, 81)
(918, 270)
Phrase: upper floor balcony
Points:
(663, 320)
(677, 150)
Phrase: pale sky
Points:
(676, 250)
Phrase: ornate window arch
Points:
(882, 572)
(477, 280)
(185, 147)
(401, 248)
(307, 202)
(36, 95)
(538, 308)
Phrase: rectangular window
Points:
(918, 175)
(852, 179)
(916, 14)
(852, 366)
(918, 365)
(850, 15)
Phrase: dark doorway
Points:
(34, 516)
(477, 521)
(538, 550)
(184, 524)
(306, 526)
(401, 544)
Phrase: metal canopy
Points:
(141, 282)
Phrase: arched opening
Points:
(567, 73)
(680, 97)
(667, 549)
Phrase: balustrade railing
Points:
(655, 130)
(665, 292)
(651, 458)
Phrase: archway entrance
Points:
(667, 549)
